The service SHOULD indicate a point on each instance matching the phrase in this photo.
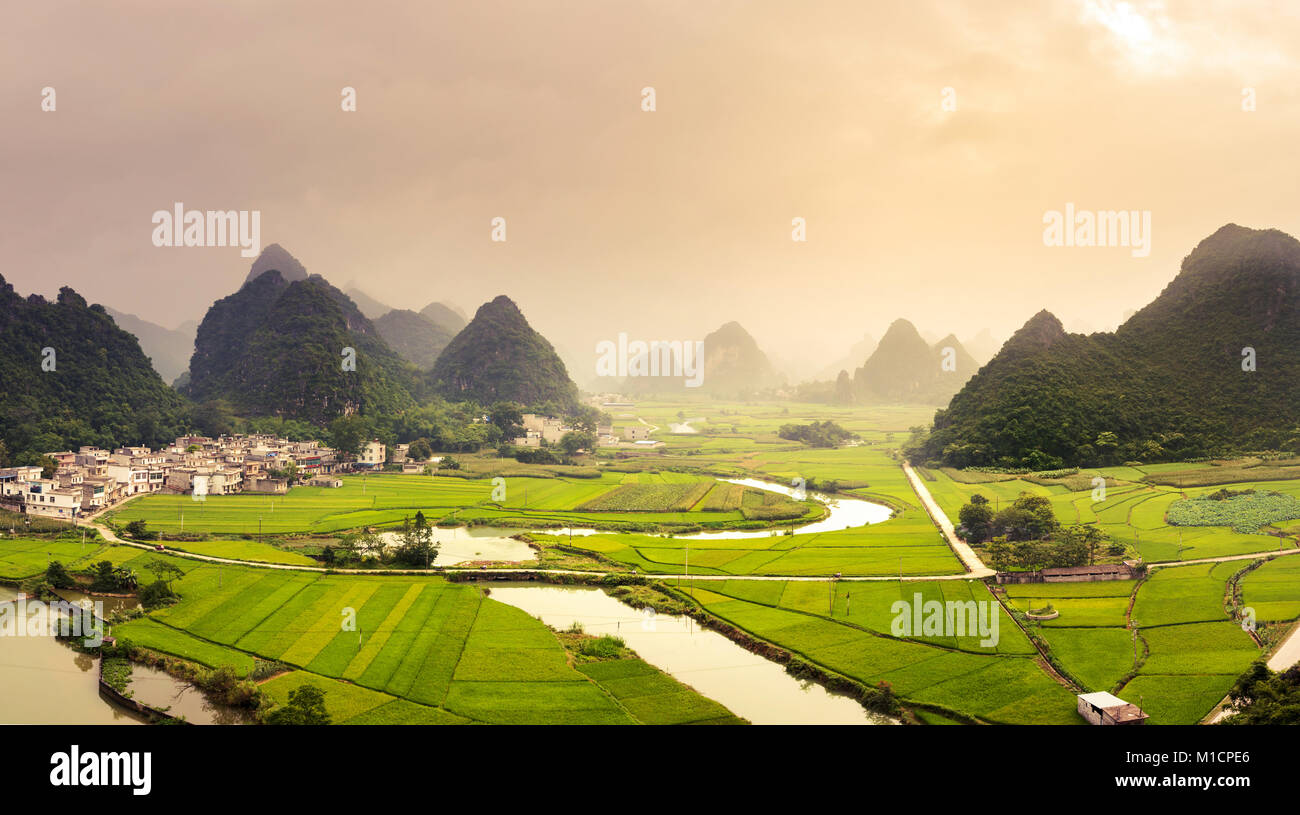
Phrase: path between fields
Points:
(969, 559)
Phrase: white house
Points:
(1103, 708)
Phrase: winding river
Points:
(747, 684)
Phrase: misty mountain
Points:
(982, 346)
(498, 356)
(906, 368)
(734, 367)
(414, 337)
(168, 349)
(372, 308)
(851, 361)
(445, 315)
(1212, 365)
(275, 257)
(95, 385)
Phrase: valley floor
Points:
(430, 650)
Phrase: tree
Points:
(139, 530)
(508, 417)
(573, 441)
(156, 594)
(1085, 538)
(976, 519)
(1263, 697)
(420, 450)
(417, 547)
(348, 433)
(1030, 517)
(56, 574)
(111, 579)
(165, 570)
(306, 707)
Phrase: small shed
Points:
(1105, 708)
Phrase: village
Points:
(91, 479)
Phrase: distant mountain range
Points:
(851, 361)
(415, 337)
(734, 367)
(445, 315)
(1211, 365)
(168, 349)
(369, 306)
(905, 368)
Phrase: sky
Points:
(921, 143)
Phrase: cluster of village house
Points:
(93, 479)
(539, 429)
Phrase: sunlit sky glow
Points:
(665, 224)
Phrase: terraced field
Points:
(20, 558)
(1132, 512)
(421, 650)
(998, 684)
(1186, 654)
(378, 499)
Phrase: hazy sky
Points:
(662, 224)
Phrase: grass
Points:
(1001, 684)
(155, 636)
(431, 650)
(249, 550)
(22, 558)
(444, 650)
(653, 697)
(1272, 590)
(1134, 511)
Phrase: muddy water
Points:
(107, 604)
(44, 681)
(747, 684)
(161, 691)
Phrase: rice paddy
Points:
(420, 649)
